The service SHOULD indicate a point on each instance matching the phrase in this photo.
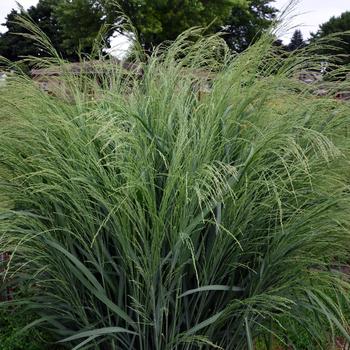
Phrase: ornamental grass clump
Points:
(143, 213)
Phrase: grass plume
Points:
(145, 215)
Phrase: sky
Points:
(309, 13)
(7, 5)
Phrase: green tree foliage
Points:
(245, 24)
(297, 41)
(13, 46)
(336, 25)
(159, 20)
(72, 26)
(80, 22)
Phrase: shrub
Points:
(154, 217)
(13, 338)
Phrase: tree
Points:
(72, 26)
(11, 47)
(157, 21)
(14, 46)
(80, 22)
(335, 25)
(297, 41)
(245, 24)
